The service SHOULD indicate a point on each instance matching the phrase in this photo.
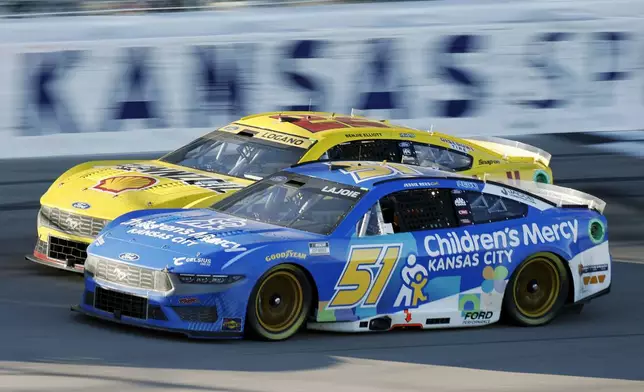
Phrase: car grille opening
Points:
(125, 304)
(71, 252)
(203, 314)
(70, 223)
(131, 276)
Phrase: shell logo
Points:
(119, 184)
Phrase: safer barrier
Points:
(74, 85)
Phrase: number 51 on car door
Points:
(365, 276)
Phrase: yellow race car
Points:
(85, 198)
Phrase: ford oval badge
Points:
(81, 205)
(129, 256)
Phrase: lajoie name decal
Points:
(214, 184)
(350, 193)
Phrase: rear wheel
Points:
(279, 303)
(537, 291)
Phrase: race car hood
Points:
(108, 191)
(189, 241)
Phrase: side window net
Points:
(427, 155)
(365, 150)
(490, 208)
(421, 209)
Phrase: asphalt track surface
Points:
(43, 346)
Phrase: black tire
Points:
(537, 291)
(279, 304)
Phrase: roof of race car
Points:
(314, 125)
(366, 174)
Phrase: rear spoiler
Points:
(510, 148)
(558, 195)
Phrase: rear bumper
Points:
(593, 296)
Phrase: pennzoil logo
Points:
(120, 184)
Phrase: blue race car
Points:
(354, 247)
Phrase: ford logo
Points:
(80, 205)
(129, 256)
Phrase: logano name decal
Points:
(179, 235)
(456, 251)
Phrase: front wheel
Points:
(537, 291)
(279, 304)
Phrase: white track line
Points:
(629, 261)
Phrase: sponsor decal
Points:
(288, 254)
(420, 184)
(214, 184)
(214, 224)
(519, 195)
(407, 315)
(460, 202)
(409, 135)
(120, 184)
(404, 144)
(319, 248)
(192, 260)
(466, 185)
(231, 324)
(489, 162)
(463, 212)
(477, 317)
(465, 221)
(362, 135)
(179, 235)
(342, 192)
(129, 256)
(456, 251)
(81, 205)
(100, 240)
(189, 300)
(457, 146)
(594, 279)
(282, 138)
(591, 268)
(230, 128)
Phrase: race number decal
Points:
(365, 276)
(318, 123)
(362, 172)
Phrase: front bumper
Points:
(206, 316)
(46, 261)
(63, 238)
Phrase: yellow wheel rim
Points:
(536, 287)
(279, 302)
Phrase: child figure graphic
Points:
(414, 278)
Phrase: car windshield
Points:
(294, 201)
(236, 155)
